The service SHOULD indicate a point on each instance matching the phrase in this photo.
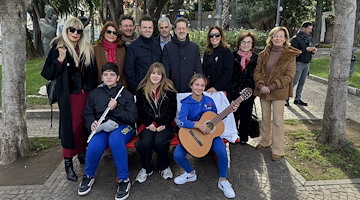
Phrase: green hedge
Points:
(199, 37)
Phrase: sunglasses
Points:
(111, 32)
(214, 35)
(78, 31)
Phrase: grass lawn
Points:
(315, 161)
(320, 67)
(33, 82)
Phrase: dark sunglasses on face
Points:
(78, 31)
(111, 32)
(214, 35)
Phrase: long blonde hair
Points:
(276, 30)
(147, 85)
(86, 50)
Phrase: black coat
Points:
(218, 68)
(301, 41)
(181, 61)
(163, 114)
(97, 102)
(139, 56)
(243, 79)
(69, 80)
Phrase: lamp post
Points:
(217, 16)
(277, 23)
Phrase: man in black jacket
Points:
(181, 57)
(141, 53)
(302, 41)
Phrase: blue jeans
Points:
(218, 147)
(302, 70)
(116, 140)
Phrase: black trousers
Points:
(157, 141)
(243, 116)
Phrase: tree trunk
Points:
(357, 20)
(13, 136)
(318, 20)
(116, 9)
(177, 6)
(333, 127)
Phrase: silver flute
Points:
(102, 118)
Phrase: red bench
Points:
(174, 141)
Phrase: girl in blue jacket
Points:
(192, 108)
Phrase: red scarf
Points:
(245, 56)
(110, 48)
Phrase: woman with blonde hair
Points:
(273, 76)
(71, 63)
(110, 48)
(217, 62)
(156, 104)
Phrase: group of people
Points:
(92, 79)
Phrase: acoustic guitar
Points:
(196, 142)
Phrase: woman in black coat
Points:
(70, 62)
(217, 62)
(244, 65)
(156, 104)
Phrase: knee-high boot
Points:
(69, 169)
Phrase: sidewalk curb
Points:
(351, 90)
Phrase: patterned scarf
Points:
(244, 56)
(110, 48)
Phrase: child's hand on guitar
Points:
(202, 127)
(235, 106)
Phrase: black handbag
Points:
(254, 125)
(51, 92)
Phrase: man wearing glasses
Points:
(181, 57)
(127, 28)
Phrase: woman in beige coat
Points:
(110, 49)
(273, 78)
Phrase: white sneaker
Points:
(166, 173)
(185, 177)
(225, 186)
(142, 175)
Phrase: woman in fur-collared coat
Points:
(273, 76)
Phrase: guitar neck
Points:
(225, 112)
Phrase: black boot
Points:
(81, 157)
(69, 169)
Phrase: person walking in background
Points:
(115, 131)
(181, 57)
(164, 27)
(71, 63)
(141, 53)
(217, 62)
(192, 108)
(273, 76)
(127, 28)
(302, 41)
(110, 49)
(243, 77)
(156, 103)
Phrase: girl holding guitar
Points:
(192, 108)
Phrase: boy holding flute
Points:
(114, 132)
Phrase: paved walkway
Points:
(252, 173)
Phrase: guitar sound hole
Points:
(210, 125)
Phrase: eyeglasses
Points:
(278, 36)
(214, 35)
(246, 42)
(78, 31)
(111, 32)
